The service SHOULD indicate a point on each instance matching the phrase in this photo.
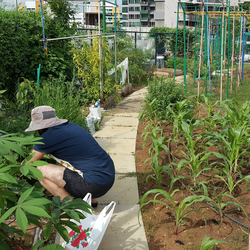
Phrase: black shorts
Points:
(78, 187)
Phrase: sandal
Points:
(94, 205)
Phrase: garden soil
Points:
(158, 220)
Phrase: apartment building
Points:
(166, 11)
(138, 13)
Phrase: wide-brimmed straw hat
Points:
(43, 117)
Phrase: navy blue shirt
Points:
(75, 145)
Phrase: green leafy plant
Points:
(25, 94)
(209, 243)
(180, 211)
(158, 143)
(21, 50)
(64, 98)
(181, 111)
(161, 93)
(231, 181)
(234, 143)
(219, 205)
(193, 158)
(22, 196)
(237, 113)
(87, 61)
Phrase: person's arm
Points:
(38, 155)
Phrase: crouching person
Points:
(84, 166)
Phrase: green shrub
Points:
(23, 200)
(64, 98)
(161, 93)
(137, 60)
(21, 51)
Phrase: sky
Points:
(12, 3)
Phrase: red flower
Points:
(72, 233)
(82, 235)
(80, 227)
(85, 244)
(75, 243)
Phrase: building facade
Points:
(138, 13)
(166, 11)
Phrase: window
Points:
(137, 8)
(131, 16)
(131, 1)
(131, 8)
(125, 2)
(137, 16)
(124, 9)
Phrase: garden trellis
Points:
(100, 35)
(220, 42)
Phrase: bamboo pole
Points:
(222, 41)
(228, 51)
(232, 54)
(176, 40)
(216, 52)
(240, 58)
(184, 34)
(225, 45)
(195, 52)
(200, 55)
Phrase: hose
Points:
(228, 216)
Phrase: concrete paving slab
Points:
(123, 113)
(117, 146)
(116, 132)
(124, 231)
(131, 105)
(119, 121)
(123, 163)
(124, 191)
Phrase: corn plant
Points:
(153, 131)
(157, 170)
(180, 211)
(238, 114)
(231, 181)
(181, 111)
(219, 205)
(209, 243)
(208, 107)
(149, 111)
(235, 143)
(193, 158)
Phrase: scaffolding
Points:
(220, 42)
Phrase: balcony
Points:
(144, 3)
(144, 12)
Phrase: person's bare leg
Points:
(53, 180)
(54, 189)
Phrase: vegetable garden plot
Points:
(214, 183)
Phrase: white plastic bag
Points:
(91, 120)
(96, 111)
(92, 228)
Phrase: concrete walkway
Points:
(118, 137)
